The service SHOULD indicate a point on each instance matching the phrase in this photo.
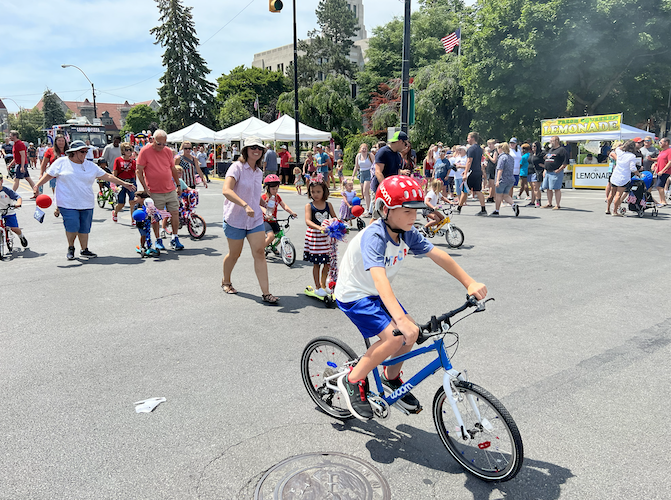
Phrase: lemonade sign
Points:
(606, 124)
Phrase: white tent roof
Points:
(240, 130)
(193, 133)
(626, 132)
(284, 129)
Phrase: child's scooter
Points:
(328, 299)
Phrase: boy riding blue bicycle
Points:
(7, 196)
(363, 290)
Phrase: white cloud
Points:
(110, 41)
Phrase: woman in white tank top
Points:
(362, 164)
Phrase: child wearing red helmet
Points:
(273, 200)
(363, 290)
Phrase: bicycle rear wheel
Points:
(10, 241)
(420, 227)
(493, 449)
(196, 226)
(288, 252)
(323, 357)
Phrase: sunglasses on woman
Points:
(256, 148)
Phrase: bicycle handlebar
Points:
(434, 325)
(5, 211)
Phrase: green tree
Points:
(528, 59)
(249, 83)
(440, 114)
(28, 123)
(233, 111)
(328, 47)
(434, 20)
(185, 95)
(327, 105)
(139, 118)
(52, 110)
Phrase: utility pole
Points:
(405, 70)
(296, 117)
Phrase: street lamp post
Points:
(93, 89)
(405, 70)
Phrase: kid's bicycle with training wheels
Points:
(286, 249)
(453, 235)
(473, 425)
(6, 234)
(187, 216)
(105, 194)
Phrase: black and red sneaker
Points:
(356, 398)
(409, 402)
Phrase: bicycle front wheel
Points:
(2, 243)
(493, 448)
(288, 253)
(454, 236)
(323, 357)
(101, 200)
(196, 226)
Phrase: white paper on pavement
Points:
(148, 405)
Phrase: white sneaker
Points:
(321, 292)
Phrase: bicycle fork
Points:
(452, 395)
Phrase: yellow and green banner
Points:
(582, 125)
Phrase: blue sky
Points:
(110, 41)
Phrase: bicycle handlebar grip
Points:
(397, 333)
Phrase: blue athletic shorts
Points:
(77, 221)
(11, 220)
(234, 233)
(368, 314)
(517, 179)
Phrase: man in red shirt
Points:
(21, 161)
(158, 175)
(285, 170)
(663, 167)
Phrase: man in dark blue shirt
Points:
(388, 160)
(473, 173)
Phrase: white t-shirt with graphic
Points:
(373, 247)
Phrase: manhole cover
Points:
(321, 476)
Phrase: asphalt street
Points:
(576, 346)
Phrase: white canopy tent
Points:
(626, 132)
(240, 130)
(284, 129)
(194, 133)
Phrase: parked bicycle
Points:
(286, 249)
(187, 216)
(474, 426)
(453, 235)
(106, 194)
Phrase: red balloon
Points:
(43, 201)
(357, 210)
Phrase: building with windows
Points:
(279, 58)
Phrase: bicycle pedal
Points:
(416, 410)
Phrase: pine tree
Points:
(185, 96)
(51, 107)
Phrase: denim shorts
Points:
(503, 188)
(553, 180)
(234, 233)
(364, 175)
(77, 221)
(121, 197)
(368, 314)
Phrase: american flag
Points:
(451, 41)
(256, 103)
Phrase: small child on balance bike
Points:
(363, 291)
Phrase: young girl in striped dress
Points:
(316, 248)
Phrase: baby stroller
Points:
(640, 199)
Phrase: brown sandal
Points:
(228, 288)
(270, 299)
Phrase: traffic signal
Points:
(275, 5)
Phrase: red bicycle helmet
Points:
(271, 179)
(399, 191)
